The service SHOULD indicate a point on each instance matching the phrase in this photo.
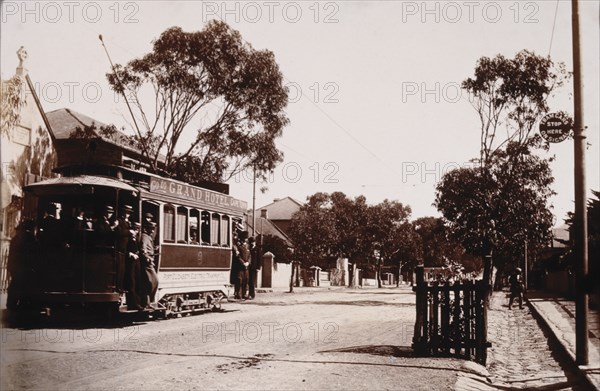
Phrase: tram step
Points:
(124, 310)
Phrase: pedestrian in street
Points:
(149, 285)
(253, 268)
(244, 264)
(516, 288)
(234, 277)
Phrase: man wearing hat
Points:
(149, 218)
(244, 259)
(50, 230)
(51, 237)
(253, 268)
(516, 288)
(235, 264)
(132, 270)
(149, 283)
(105, 227)
(123, 234)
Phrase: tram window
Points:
(194, 220)
(169, 223)
(205, 216)
(214, 229)
(182, 224)
(225, 231)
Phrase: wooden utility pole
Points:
(254, 202)
(580, 221)
(525, 270)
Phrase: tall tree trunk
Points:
(379, 284)
(399, 274)
(292, 278)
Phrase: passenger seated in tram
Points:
(193, 236)
(80, 229)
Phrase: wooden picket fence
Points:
(451, 318)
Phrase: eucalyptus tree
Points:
(206, 104)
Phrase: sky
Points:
(375, 102)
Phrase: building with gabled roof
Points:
(280, 212)
(65, 121)
(80, 139)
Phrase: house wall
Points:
(561, 282)
(27, 155)
(278, 273)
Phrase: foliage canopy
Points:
(210, 87)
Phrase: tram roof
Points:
(80, 181)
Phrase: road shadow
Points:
(386, 291)
(75, 321)
(360, 303)
(376, 350)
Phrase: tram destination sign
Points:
(196, 194)
(555, 127)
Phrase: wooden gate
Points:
(451, 319)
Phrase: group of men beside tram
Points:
(245, 264)
(136, 272)
(32, 252)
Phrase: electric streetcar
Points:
(77, 264)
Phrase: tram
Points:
(78, 267)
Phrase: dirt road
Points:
(315, 338)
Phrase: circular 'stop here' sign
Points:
(555, 127)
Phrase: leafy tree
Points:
(511, 94)
(349, 220)
(12, 100)
(387, 233)
(502, 209)
(277, 246)
(498, 206)
(593, 226)
(331, 226)
(438, 247)
(214, 87)
(312, 230)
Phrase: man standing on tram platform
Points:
(149, 285)
(105, 228)
(123, 234)
(133, 270)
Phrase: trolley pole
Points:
(580, 221)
